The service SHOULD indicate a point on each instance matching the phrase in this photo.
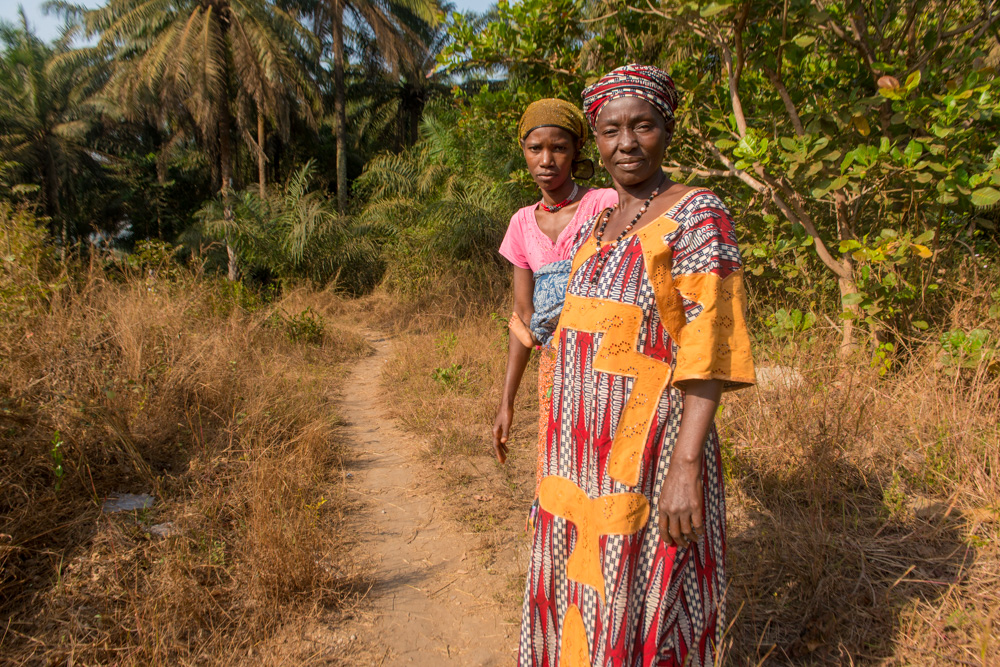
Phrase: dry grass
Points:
(863, 515)
(863, 525)
(171, 386)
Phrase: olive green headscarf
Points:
(551, 112)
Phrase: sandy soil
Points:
(434, 605)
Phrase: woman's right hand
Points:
(501, 431)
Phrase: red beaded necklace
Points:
(599, 233)
(563, 204)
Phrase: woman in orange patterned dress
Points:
(627, 565)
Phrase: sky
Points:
(47, 27)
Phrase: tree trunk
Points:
(261, 158)
(276, 158)
(52, 204)
(161, 181)
(848, 344)
(232, 268)
(845, 280)
(339, 108)
(415, 115)
(226, 169)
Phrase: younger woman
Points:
(538, 242)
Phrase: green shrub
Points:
(29, 273)
(307, 326)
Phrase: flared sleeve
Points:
(706, 272)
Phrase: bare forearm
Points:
(701, 400)
(681, 507)
(517, 357)
(517, 360)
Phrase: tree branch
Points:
(734, 91)
(676, 168)
(730, 165)
(800, 216)
(741, 24)
(793, 113)
(860, 28)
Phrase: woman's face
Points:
(549, 152)
(631, 136)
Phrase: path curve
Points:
(431, 606)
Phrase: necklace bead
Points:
(563, 204)
(599, 232)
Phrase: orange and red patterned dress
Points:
(602, 587)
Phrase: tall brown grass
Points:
(155, 381)
(862, 501)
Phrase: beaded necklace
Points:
(599, 233)
(563, 204)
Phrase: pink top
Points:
(527, 246)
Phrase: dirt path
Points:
(433, 607)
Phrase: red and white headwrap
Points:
(643, 81)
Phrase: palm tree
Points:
(45, 117)
(452, 193)
(388, 22)
(212, 60)
(385, 108)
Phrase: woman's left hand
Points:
(682, 503)
(681, 506)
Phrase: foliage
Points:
(389, 28)
(295, 233)
(536, 42)
(889, 277)
(154, 258)
(961, 349)
(212, 64)
(28, 269)
(46, 118)
(868, 153)
(788, 323)
(385, 105)
(450, 376)
(307, 326)
(56, 453)
(449, 197)
(822, 123)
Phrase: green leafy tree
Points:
(858, 137)
(223, 63)
(385, 106)
(868, 126)
(448, 198)
(294, 232)
(45, 120)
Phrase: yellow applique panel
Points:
(614, 514)
(658, 257)
(620, 323)
(574, 651)
(715, 345)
